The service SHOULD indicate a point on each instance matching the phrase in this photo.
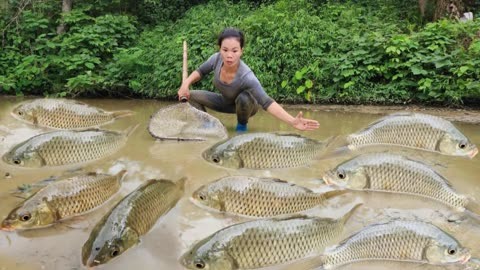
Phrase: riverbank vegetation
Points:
(305, 51)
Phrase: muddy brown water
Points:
(59, 246)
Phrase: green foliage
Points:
(343, 51)
(41, 62)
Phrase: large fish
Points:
(413, 241)
(265, 242)
(185, 122)
(397, 174)
(64, 114)
(415, 130)
(264, 151)
(63, 199)
(132, 217)
(258, 197)
(65, 147)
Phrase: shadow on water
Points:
(59, 247)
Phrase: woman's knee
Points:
(245, 100)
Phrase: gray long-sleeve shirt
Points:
(245, 80)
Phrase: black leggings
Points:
(245, 105)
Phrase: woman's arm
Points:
(184, 88)
(297, 122)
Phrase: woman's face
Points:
(231, 52)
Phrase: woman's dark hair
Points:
(231, 33)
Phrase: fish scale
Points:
(265, 242)
(264, 150)
(64, 199)
(396, 240)
(67, 147)
(64, 114)
(136, 213)
(414, 130)
(396, 173)
(258, 197)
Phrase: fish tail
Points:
(339, 152)
(334, 146)
(122, 113)
(349, 214)
(181, 182)
(130, 130)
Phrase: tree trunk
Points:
(422, 5)
(448, 8)
(66, 8)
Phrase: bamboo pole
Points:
(184, 68)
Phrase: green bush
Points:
(302, 51)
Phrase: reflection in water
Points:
(59, 247)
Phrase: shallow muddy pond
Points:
(59, 246)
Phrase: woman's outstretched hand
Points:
(304, 124)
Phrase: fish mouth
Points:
(7, 228)
(92, 262)
(466, 258)
(473, 153)
(327, 178)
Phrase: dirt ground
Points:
(458, 115)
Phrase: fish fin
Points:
(341, 151)
(289, 134)
(77, 223)
(28, 195)
(122, 113)
(130, 130)
(181, 182)
(276, 180)
(350, 213)
(292, 216)
(121, 175)
(333, 193)
(314, 262)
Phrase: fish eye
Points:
(199, 264)
(20, 113)
(25, 217)
(462, 145)
(17, 161)
(341, 175)
(215, 159)
(97, 248)
(452, 251)
(115, 252)
(202, 197)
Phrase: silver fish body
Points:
(59, 148)
(415, 130)
(63, 199)
(264, 151)
(397, 241)
(258, 197)
(265, 242)
(185, 122)
(131, 218)
(64, 114)
(398, 174)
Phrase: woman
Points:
(240, 90)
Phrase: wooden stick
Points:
(184, 68)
